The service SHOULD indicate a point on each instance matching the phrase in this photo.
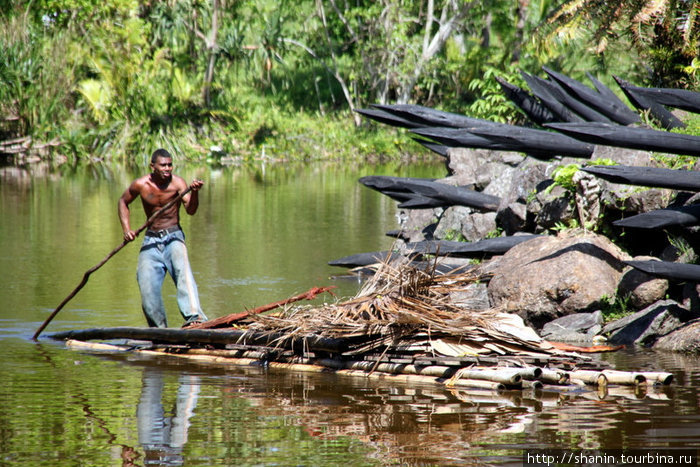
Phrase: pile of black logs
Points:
(569, 118)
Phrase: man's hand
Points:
(129, 236)
(196, 184)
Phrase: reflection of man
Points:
(163, 249)
(163, 438)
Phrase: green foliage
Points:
(563, 176)
(614, 308)
(563, 226)
(497, 232)
(35, 79)
(683, 248)
(454, 235)
(491, 103)
(677, 162)
(114, 77)
(665, 34)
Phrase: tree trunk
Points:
(432, 46)
(212, 50)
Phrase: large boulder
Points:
(640, 288)
(552, 276)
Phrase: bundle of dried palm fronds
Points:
(408, 309)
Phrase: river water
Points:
(261, 234)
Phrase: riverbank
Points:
(273, 136)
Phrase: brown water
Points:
(260, 236)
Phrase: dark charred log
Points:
(668, 270)
(657, 177)
(526, 102)
(630, 137)
(643, 103)
(613, 109)
(489, 246)
(669, 217)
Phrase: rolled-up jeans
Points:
(161, 254)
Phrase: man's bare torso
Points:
(154, 196)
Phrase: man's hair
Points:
(160, 153)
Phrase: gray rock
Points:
(477, 168)
(478, 225)
(578, 327)
(548, 277)
(524, 183)
(691, 296)
(684, 339)
(474, 297)
(450, 222)
(417, 224)
(551, 207)
(634, 200)
(641, 288)
(512, 212)
(513, 218)
(503, 183)
(623, 156)
(646, 326)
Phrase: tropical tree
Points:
(666, 33)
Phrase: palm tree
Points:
(666, 33)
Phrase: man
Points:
(163, 249)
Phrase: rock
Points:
(450, 222)
(633, 200)
(551, 207)
(503, 183)
(549, 277)
(478, 167)
(578, 327)
(474, 297)
(512, 218)
(476, 226)
(473, 226)
(645, 327)
(417, 224)
(512, 212)
(691, 296)
(684, 339)
(641, 288)
(544, 289)
(623, 156)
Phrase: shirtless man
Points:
(163, 249)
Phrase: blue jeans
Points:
(160, 255)
(163, 434)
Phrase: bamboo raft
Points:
(402, 326)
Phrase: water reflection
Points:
(262, 237)
(162, 436)
(408, 424)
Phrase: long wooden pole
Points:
(106, 258)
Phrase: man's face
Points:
(162, 167)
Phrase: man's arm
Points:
(129, 195)
(191, 199)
